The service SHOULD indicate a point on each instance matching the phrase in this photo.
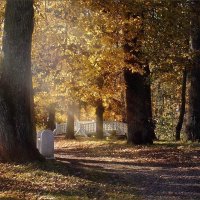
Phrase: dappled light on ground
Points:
(90, 169)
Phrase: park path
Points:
(159, 172)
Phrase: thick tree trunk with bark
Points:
(138, 90)
(99, 119)
(193, 117)
(70, 122)
(139, 127)
(182, 108)
(51, 117)
(17, 141)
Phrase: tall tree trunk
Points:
(78, 111)
(17, 141)
(182, 108)
(99, 119)
(193, 117)
(99, 109)
(138, 90)
(139, 127)
(51, 117)
(123, 109)
(70, 121)
(151, 123)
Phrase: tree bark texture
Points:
(138, 91)
(99, 119)
(17, 138)
(139, 126)
(99, 109)
(147, 84)
(182, 108)
(51, 117)
(70, 121)
(193, 117)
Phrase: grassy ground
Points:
(89, 169)
(49, 181)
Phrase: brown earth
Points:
(89, 169)
(162, 171)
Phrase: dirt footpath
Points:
(162, 171)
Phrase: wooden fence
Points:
(85, 128)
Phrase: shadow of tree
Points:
(156, 171)
(123, 171)
(26, 187)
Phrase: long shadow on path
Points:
(163, 173)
